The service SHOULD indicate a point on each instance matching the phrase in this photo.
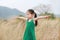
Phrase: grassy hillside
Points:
(14, 29)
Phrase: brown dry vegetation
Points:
(14, 29)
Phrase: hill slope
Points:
(6, 12)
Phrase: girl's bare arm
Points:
(22, 18)
(41, 17)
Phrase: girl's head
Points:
(31, 14)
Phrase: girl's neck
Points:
(30, 18)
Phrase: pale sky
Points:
(23, 5)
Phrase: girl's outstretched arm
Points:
(21, 18)
(41, 17)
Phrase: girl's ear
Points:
(33, 15)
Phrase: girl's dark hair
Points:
(32, 12)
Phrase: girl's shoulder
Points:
(26, 19)
(29, 20)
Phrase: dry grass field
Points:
(13, 29)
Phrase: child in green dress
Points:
(31, 22)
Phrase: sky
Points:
(24, 5)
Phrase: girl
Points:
(31, 22)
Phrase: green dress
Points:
(29, 33)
